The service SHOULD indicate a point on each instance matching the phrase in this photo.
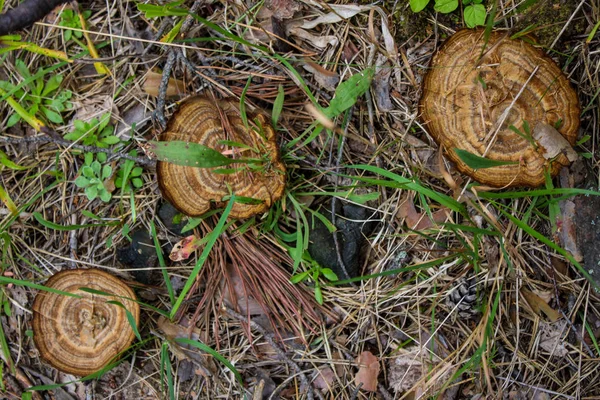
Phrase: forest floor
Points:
(446, 290)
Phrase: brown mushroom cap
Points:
(192, 190)
(464, 99)
(82, 335)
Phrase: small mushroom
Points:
(217, 124)
(475, 91)
(81, 335)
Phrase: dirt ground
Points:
(381, 272)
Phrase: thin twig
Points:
(63, 142)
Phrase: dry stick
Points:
(25, 14)
(269, 338)
(92, 149)
(159, 113)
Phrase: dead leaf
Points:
(325, 78)
(539, 306)
(551, 338)
(567, 233)
(283, 9)
(419, 221)
(152, 83)
(339, 13)
(325, 378)
(366, 377)
(381, 84)
(405, 370)
(236, 296)
(553, 142)
(183, 249)
(318, 41)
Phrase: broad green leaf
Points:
(475, 15)
(446, 6)
(348, 92)
(329, 274)
(82, 181)
(52, 84)
(53, 116)
(476, 162)
(189, 154)
(418, 5)
(91, 192)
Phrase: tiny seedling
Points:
(314, 273)
(474, 12)
(94, 133)
(128, 177)
(70, 19)
(92, 178)
(40, 97)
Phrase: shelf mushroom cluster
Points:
(81, 334)
(215, 124)
(476, 89)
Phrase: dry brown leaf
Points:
(325, 378)
(567, 233)
(283, 9)
(325, 78)
(183, 249)
(551, 338)
(553, 142)
(152, 83)
(318, 41)
(339, 13)
(236, 296)
(419, 221)
(366, 377)
(539, 306)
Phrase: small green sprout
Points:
(92, 177)
(70, 19)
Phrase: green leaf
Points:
(105, 195)
(214, 353)
(475, 15)
(91, 192)
(82, 181)
(319, 295)
(348, 92)
(130, 318)
(52, 84)
(329, 274)
(212, 238)
(4, 160)
(96, 167)
(51, 225)
(277, 106)
(476, 162)
(87, 171)
(189, 154)
(418, 5)
(13, 120)
(137, 182)
(110, 140)
(299, 277)
(446, 6)
(106, 171)
(52, 116)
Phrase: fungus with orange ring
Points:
(81, 335)
(213, 123)
(475, 91)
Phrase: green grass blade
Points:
(212, 238)
(214, 353)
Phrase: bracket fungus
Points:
(477, 94)
(81, 335)
(217, 124)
